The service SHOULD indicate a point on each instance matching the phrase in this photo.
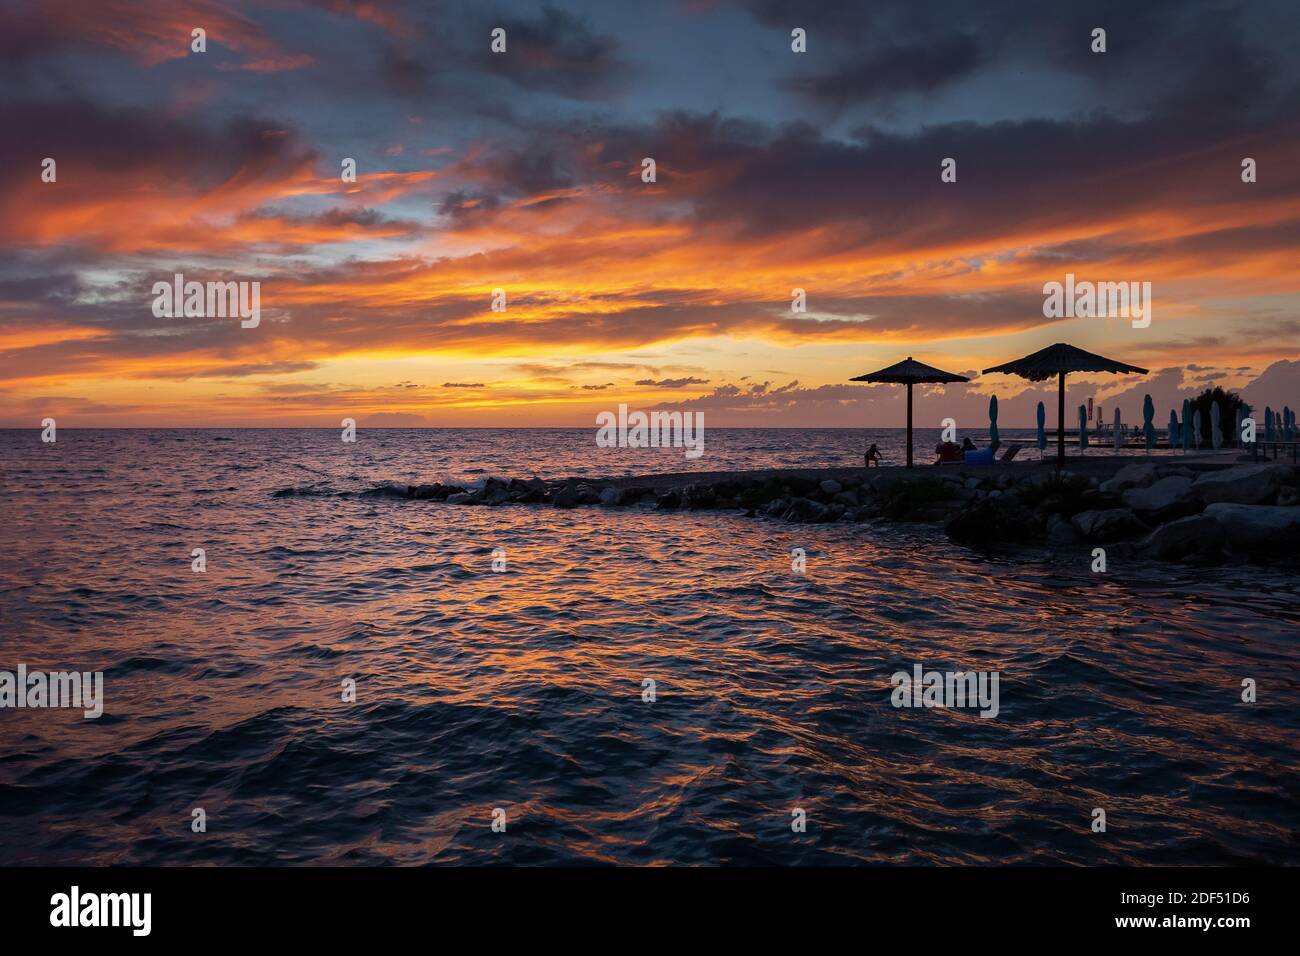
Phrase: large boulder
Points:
(1168, 498)
(1061, 532)
(989, 521)
(668, 501)
(565, 497)
(698, 496)
(1137, 475)
(1264, 528)
(830, 487)
(1177, 539)
(611, 497)
(1244, 484)
(807, 511)
(1111, 524)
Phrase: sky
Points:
(522, 171)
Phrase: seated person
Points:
(873, 455)
(967, 445)
(947, 452)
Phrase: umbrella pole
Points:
(909, 424)
(1060, 420)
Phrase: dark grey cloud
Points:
(672, 382)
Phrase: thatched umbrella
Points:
(910, 372)
(1058, 360)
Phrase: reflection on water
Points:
(523, 689)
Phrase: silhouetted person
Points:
(873, 455)
(967, 445)
(947, 451)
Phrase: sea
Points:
(299, 670)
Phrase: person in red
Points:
(947, 451)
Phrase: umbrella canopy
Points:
(1059, 360)
(910, 372)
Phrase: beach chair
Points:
(1011, 453)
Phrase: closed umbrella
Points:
(1174, 429)
(1083, 428)
(1148, 422)
(1056, 361)
(1042, 430)
(993, 421)
(909, 373)
(1236, 431)
(1288, 423)
(1268, 423)
(1187, 425)
(1216, 432)
(1117, 429)
(1196, 428)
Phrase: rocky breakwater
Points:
(1163, 509)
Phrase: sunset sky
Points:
(522, 171)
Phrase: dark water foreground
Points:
(523, 689)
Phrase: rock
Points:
(698, 496)
(806, 511)
(611, 497)
(1061, 532)
(1288, 496)
(1112, 524)
(993, 521)
(831, 487)
(436, 491)
(846, 498)
(1168, 498)
(1185, 536)
(1266, 528)
(777, 506)
(1244, 484)
(1137, 475)
(995, 493)
(533, 490)
(972, 483)
(668, 502)
(460, 498)
(565, 497)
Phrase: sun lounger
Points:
(1011, 453)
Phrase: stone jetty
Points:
(1190, 509)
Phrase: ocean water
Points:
(523, 690)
